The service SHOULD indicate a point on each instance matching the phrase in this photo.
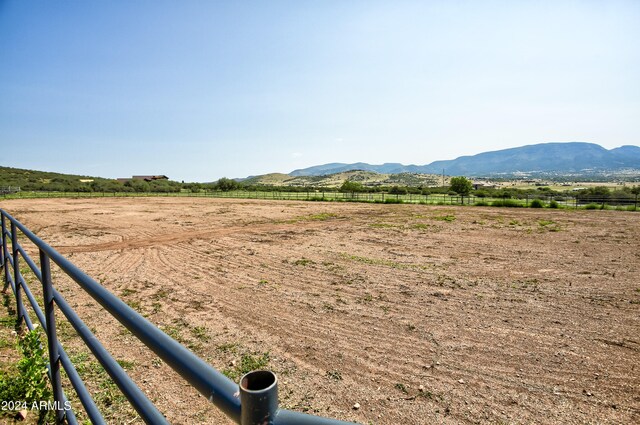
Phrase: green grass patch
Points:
(247, 363)
(318, 217)
(303, 262)
(381, 262)
(448, 217)
(382, 225)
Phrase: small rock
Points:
(23, 414)
(461, 381)
(233, 363)
(356, 406)
(421, 388)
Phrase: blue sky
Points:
(200, 90)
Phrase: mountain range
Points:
(572, 158)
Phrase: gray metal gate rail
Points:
(254, 401)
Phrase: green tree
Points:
(461, 185)
(350, 187)
(397, 190)
(226, 184)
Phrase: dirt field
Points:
(420, 314)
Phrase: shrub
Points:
(505, 203)
(481, 204)
(393, 201)
(30, 384)
(591, 206)
(536, 203)
(631, 208)
(553, 204)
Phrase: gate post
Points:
(16, 275)
(258, 398)
(2, 242)
(4, 250)
(52, 339)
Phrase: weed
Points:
(334, 374)
(448, 217)
(126, 364)
(591, 206)
(230, 347)
(128, 291)
(402, 388)
(317, 217)
(420, 226)
(134, 304)
(303, 262)
(382, 225)
(30, 383)
(162, 293)
(248, 363)
(200, 332)
(381, 262)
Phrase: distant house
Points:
(145, 178)
(483, 185)
(150, 178)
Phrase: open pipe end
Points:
(258, 381)
(258, 398)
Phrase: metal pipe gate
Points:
(254, 401)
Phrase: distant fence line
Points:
(553, 201)
(6, 190)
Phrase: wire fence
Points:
(628, 203)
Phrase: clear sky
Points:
(198, 90)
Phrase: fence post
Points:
(258, 397)
(52, 339)
(2, 242)
(4, 250)
(16, 275)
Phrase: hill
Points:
(367, 178)
(44, 180)
(574, 158)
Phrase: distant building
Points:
(145, 178)
(150, 178)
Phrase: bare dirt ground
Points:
(420, 314)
